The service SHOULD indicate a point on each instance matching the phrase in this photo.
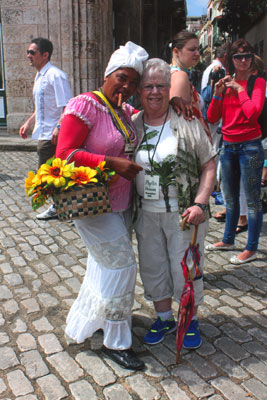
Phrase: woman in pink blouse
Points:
(95, 124)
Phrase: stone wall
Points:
(81, 32)
(256, 36)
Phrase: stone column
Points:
(81, 32)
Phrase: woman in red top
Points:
(241, 154)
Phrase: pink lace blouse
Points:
(101, 138)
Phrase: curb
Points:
(15, 143)
(17, 147)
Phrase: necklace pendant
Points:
(129, 148)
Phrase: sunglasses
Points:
(31, 52)
(239, 57)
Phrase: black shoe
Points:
(126, 358)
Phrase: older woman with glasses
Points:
(177, 178)
(241, 154)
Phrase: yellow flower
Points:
(56, 173)
(101, 165)
(28, 181)
(37, 180)
(102, 169)
(83, 175)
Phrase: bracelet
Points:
(217, 97)
(58, 126)
(204, 207)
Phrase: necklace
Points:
(177, 68)
(151, 159)
(118, 118)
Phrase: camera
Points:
(215, 76)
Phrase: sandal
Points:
(241, 228)
(220, 216)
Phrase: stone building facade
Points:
(149, 23)
(81, 46)
(256, 36)
(84, 33)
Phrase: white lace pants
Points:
(107, 292)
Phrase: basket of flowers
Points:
(77, 192)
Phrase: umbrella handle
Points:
(183, 227)
(177, 356)
(194, 236)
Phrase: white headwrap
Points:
(129, 56)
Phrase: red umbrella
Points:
(191, 270)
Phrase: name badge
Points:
(129, 148)
(151, 189)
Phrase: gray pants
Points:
(161, 247)
(45, 150)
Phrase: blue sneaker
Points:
(158, 330)
(192, 339)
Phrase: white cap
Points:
(129, 56)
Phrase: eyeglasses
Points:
(149, 88)
(239, 57)
(31, 52)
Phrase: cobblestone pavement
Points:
(42, 265)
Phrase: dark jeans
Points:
(45, 150)
(246, 160)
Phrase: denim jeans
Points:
(246, 160)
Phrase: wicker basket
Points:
(82, 201)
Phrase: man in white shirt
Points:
(208, 83)
(219, 60)
(51, 92)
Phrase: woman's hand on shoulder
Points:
(123, 167)
(182, 107)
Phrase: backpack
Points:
(206, 94)
(262, 120)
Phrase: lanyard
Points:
(151, 159)
(124, 130)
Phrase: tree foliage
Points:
(239, 15)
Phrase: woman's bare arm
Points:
(180, 86)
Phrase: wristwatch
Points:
(204, 207)
(58, 126)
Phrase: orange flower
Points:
(101, 165)
(101, 170)
(82, 176)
